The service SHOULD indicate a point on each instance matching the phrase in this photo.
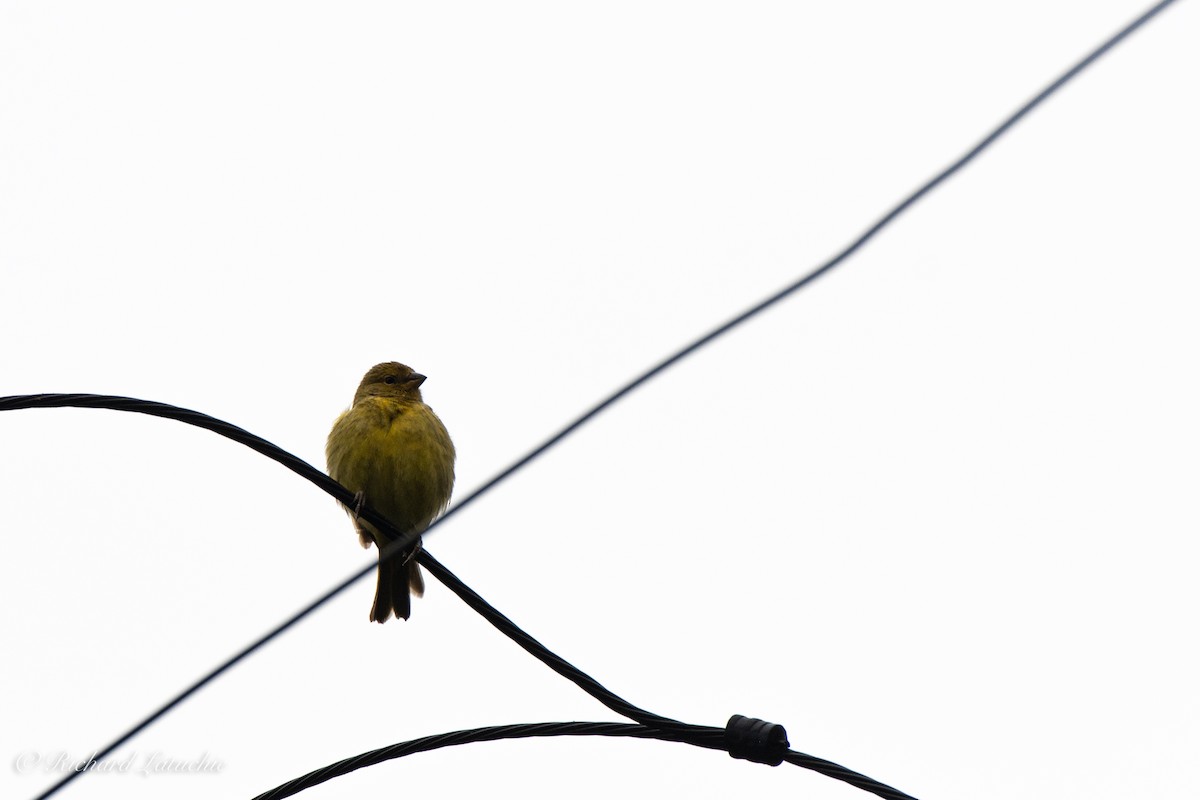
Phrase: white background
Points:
(937, 514)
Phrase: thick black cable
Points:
(695, 734)
(838, 772)
(546, 729)
(219, 426)
(656, 726)
(653, 726)
(787, 291)
(306, 470)
(427, 743)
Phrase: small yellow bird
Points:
(393, 452)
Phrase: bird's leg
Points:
(359, 499)
(364, 536)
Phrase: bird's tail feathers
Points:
(396, 580)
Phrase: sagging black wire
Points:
(304, 469)
(427, 743)
(653, 725)
(219, 426)
(545, 729)
(682, 731)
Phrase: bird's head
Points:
(390, 379)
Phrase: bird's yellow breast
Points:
(398, 454)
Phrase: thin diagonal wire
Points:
(853, 247)
(720, 330)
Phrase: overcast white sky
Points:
(937, 515)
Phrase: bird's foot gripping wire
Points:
(415, 551)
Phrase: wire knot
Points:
(756, 740)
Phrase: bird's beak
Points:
(416, 379)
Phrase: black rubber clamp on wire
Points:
(756, 740)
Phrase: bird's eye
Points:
(390, 379)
